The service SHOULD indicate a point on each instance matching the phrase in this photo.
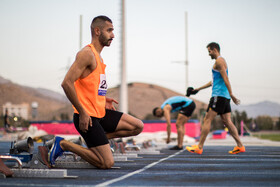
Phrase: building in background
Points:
(17, 110)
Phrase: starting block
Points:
(66, 161)
(127, 155)
(24, 164)
(70, 160)
(34, 173)
(41, 173)
(145, 152)
(21, 155)
(72, 157)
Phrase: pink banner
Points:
(57, 128)
(192, 129)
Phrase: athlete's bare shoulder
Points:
(85, 55)
(86, 61)
(220, 63)
(167, 108)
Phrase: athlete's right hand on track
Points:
(84, 122)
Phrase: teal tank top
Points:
(219, 87)
(177, 103)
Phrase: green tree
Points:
(53, 118)
(2, 121)
(278, 124)
(264, 122)
(217, 124)
(64, 116)
(237, 117)
(150, 117)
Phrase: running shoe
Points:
(237, 150)
(55, 151)
(194, 149)
(176, 148)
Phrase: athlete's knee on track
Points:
(138, 127)
(107, 164)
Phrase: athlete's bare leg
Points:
(231, 127)
(100, 156)
(127, 126)
(210, 115)
(180, 125)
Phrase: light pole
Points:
(186, 50)
(123, 87)
(186, 62)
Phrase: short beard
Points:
(103, 40)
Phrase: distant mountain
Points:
(52, 94)
(143, 98)
(45, 92)
(259, 109)
(4, 81)
(49, 102)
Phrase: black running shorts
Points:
(187, 111)
(221, 105)
(96, 134)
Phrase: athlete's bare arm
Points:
(83, 65)
(221, 66)
(166, 111)
(204, 86)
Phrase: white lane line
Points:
(137, 171)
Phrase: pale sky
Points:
(40, 38)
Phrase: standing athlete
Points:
(219, 103)
(185, 106)
(95, 117)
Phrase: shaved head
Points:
(99, 22)
(214, 45)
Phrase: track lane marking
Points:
(137, 171)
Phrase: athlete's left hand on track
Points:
(109, 103)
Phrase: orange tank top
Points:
(92, 89)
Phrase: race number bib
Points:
(102, 90)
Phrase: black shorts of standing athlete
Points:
(187, 111)
(221, 105)
(96, 134)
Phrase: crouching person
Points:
(95, 117)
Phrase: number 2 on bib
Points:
(102, 89)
